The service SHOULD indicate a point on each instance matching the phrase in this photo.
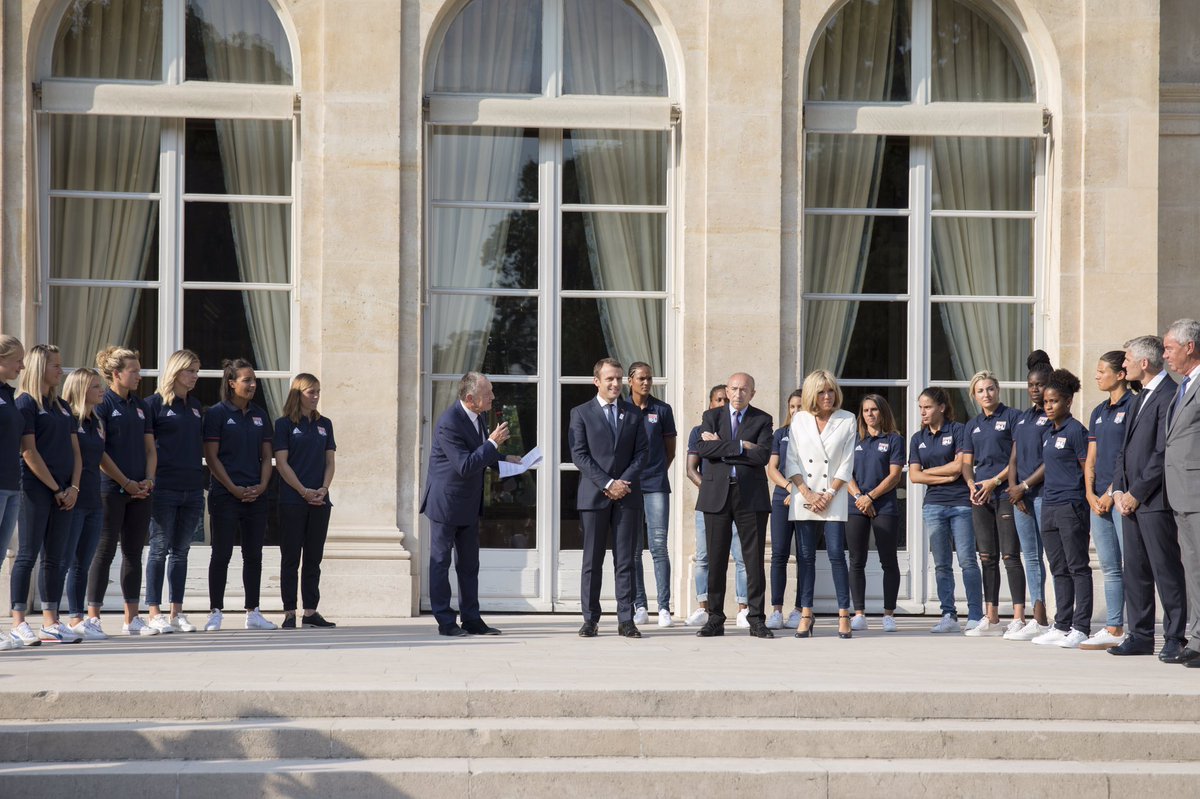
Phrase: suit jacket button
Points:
(810, 460)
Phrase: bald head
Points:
(740, 390)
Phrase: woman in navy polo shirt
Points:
(1064, 515)
(878, 470)
(178, 502)
(49, 489)
(127, 478)
(12, 361)
(304, 455)
(1106, 437)
(237, 447)
(83, 391)
(986, 454)
(782, 528)
(935, 460)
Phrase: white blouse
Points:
(820, 458)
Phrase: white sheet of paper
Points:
(531, 459)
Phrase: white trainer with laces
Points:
(858, 622)
(138, 627)
(889, 624)
(90, 629)
(1015, 626)
(255, 621)
(6, 643)
(214, 621)
(664, 618)
(162, 624)
(984, 627)
(793, 619)
(699, 618)
(948, 624)
(1052, 637)
(1103, 640)
(1030, 631)
(743, 619)
(972, 624)
(1073, 639)
(24, 635)
(641, 616)
(180, 622)
(58, 633)
(775, 621)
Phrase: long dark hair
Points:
(940, 396)
(887, 419)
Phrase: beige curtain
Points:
(610, 49)
(492, 47)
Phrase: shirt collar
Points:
(733, 412)
(1193, 375)
(1155, 382)
(474, 417)
(604, 404)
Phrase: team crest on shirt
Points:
(196, 412)
(1120, 417)
(1002, 424)
(652, 418)
(947, 440)
(883, 446)
(321, 430)
(1041, 422)
(1060, 442)
(257, 421)
(140, 414)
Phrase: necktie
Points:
(735, 422)
(1178, 398)
(611, 409)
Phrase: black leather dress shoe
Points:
(1184, 656)
(588, 630)
(1133, 647)
(628, 629)
(317, 620)
(480, 628)
(1194, 663)
(453, 632)
(1170, 651)
(761, 631)
(710, 630)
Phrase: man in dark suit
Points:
(1151, 546)
(608, 445)
(1181, 351)
(453, 502)
(735, 446)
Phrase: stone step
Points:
(582, 778)
(525, 737)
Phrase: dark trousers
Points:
(44, 530)
(752, 528)
(996, 539)
(783, 532)
(126, 521)
(858, 534)
(460, 544)
(1151, 555)
(227, 517)
(1065, 535)
(623, 521)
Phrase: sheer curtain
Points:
(608, 48)
(857, 63)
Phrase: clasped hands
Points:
(252, 493)
(618, 490)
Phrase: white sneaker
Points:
(699, 618)
(889, 624)
(90, 630)
(664, 618)
(1052, 637)
(255, 621)
(6, 643)
(948, 624)
(162, 624)
(1103, 640)
(1015, 626)
(743, 620)
(793, 620)
(972, 624)
(23, 635)
(1073, 639)
(138, 627)
(983, 627)
(59, 634)
(858, 622)
(1030, 631)
(640, 616)
(182, 624)
(214, 621)
(775, 621)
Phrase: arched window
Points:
(166, 169)
(549, 164)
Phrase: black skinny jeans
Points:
(302, 531)
(227, 516)
(126, 521)
(996, 538)
(858, 533)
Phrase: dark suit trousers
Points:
(463, 542)
(1151, 555)
(718, 530)
(624, 520)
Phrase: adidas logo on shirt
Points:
(922, 445)
(858, 448)
(295, 431)
(170, 412)
(230, 421)
(116, 412)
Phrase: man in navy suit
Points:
(1150, 538)
(608, 445)
(462, 450)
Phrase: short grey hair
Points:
(1148, 349)
(1185, 330)
(470, 384)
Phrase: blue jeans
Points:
(951, 529)
(835, 547)
(783, 530)
(657, 511)
(1030, 534)
(86, 524)
(174, 517)
(739, 572)
(45, 528)
(10, 506)
(1106, 535)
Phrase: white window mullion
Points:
(552, 36)
(550, 356)
(170, 239)
(920, 185)
(174, 18)
(922, 51)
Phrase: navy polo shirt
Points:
(928, 449)
(240, 436)
(52, 427)
(779, 445)
(126, 425)
(91, 448)
(874, 457)
(659, 422)
(989, 440)
(179, 441)
(1107, 429)
(1031, 429)
(693, 443)
(12, 424)
(306, 443)
(1064, 451)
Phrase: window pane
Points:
(974, 58)
(242, 156)
(103, 239)
(572, 394)
(976, 174)
(864, 54)
(628, 330)
(610, 48)
(615, 167)
(255, 325)
(570, 531)
(861, 340)
(272, 391)
(855, 254)
(968, 337)
(493, 335)
(110, 39)
(237, 242)
(894, 395)
(236, 41)
(492, 47)
(855, 171)
(983, 256)
(484, 164)
(94, 153)
(483, 248)
(85, 320)
(614, 252)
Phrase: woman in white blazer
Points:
(820, 462)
